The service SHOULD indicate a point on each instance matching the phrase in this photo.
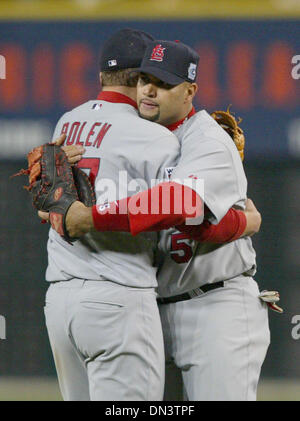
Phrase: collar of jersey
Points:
(175, 126)
(116, 97)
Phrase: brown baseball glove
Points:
(229, 123)
(54, 184)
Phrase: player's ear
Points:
(100, 78)
(191, 89)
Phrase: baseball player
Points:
(215, 328)
(106, 259)
(101, 312)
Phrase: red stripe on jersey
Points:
(116, 97)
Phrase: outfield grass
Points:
(46, 389)
(29, 389)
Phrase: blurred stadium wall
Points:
(249, 57)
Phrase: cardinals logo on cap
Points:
(157, 53)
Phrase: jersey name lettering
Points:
(94, 137)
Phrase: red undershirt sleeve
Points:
(230, 228)
(164, 206)
(110, 217)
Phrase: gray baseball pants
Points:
(216, 343)
(106, 341)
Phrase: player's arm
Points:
(234, 225)
(125, 215)
(113, 217)
(161, 207)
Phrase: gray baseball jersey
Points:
(208, 153)
(121, 150)
(216, 342)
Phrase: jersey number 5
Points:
(91, 164)
(181, 251)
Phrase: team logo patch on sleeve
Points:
(96, 106)
(168, 171)
(157, 53)
(103, 207)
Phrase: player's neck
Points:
(124, 90)
(187, 113)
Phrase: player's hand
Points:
(253, 219)
(74, 152)
(79, 220)
(60, 140)
(44, 216)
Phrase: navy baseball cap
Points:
(170, 61)
(124, 49)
